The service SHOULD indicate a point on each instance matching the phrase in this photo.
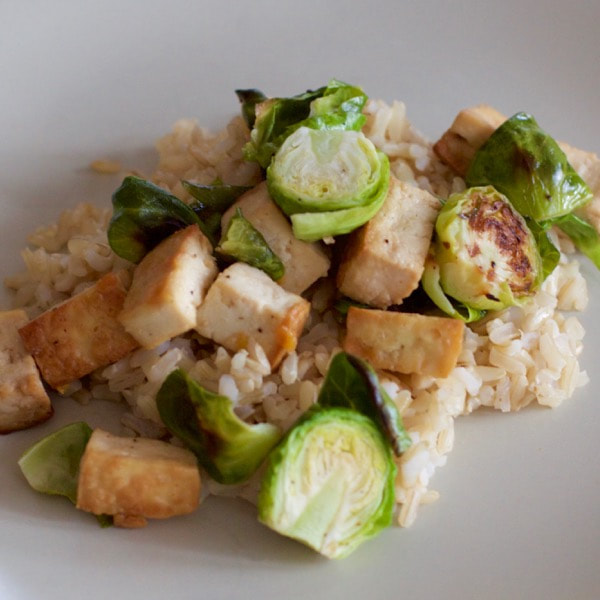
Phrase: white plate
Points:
(518, 516)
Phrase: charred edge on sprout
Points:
(509, 234)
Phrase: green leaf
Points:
(51, 466)
(245, 243)
(144, 215)
(352, 383)
(330, 483)
(549, 254)
(340, 107)
(335, 106)
(249, 99)
(524, 163)
(227, 447)
(583, 235)
(215, 198)
(211, 202)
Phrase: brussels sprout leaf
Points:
(51, 465)
(249, 99)
(245, 243)
(353, 383)
(527, 165)
(549, 254)
(313, 226)
(340, 107)
(583, 235)
(227, 447)
(215, 198)
(211, 202)
(335, 106)
(144, 215)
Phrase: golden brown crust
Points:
(289, 331)
(23, 399)
(81, 334)
(135, 478)
(404, 342)
(469, 130)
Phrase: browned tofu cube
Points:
(23, 399)
(135, 479)
(384, 259)
(304, 262)
(81, 334)
(168, 286)
(404, 342)
(469, 130)
(245, 304)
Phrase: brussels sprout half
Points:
(488, 258)
(330, 483)
(329, 181)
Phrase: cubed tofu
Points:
(404, 342)
(135, 479)
(304, 262)
(469, 130)
(384, 259)
(23, 399)
(168, 286)
(81, 334)
(245, 304)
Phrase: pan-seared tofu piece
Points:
(473, 126)
(135, 479)
(384, 259)
(168, 286)
(245, 304)
(81, 334)
(469, 130)
(23, 399)
(404, 342)
(304, 262)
